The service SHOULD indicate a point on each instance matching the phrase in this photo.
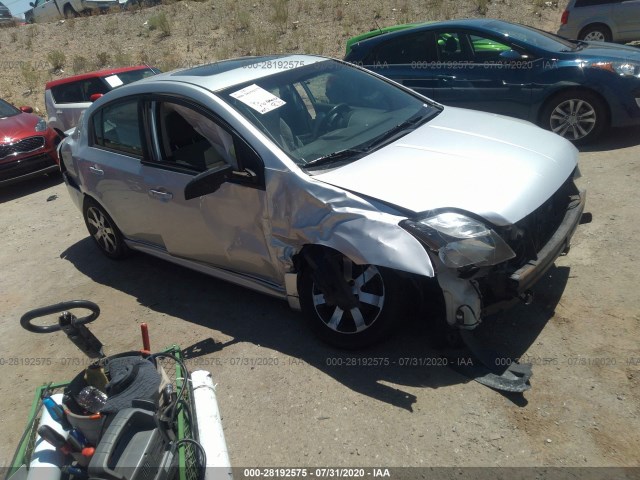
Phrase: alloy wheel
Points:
(102, 230)
(573, 119)
(595, 36)
(367, 286)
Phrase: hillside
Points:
(183, 33)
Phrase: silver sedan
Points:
(318, 182)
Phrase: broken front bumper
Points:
(469, 298)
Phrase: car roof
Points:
(226, 73)
(381, 30)
(398, 30)
(98, 74)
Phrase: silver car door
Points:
(225, 228)
(112, 172)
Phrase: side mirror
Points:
(510, 56)
(207, 182)
(31, 4)
(26, 109)
(95, 96)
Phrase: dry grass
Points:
(57, 59)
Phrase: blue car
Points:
(576, 89)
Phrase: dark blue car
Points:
(574, 88)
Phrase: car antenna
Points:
(376, 22)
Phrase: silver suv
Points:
(601, 20)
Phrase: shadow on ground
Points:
(247, 316)
(23, 189)
(615, 139)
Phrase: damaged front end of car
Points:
(483, 268)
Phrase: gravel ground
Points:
(288, 400)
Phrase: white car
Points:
(51, 10)
(317, 182)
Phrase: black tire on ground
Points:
(596, 33)
(104, 231)
(577, 115)
(380, 307)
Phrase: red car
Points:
(27, 145)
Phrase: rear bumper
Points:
(74, 190)
(568, 31)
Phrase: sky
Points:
(17, 7)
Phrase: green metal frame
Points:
(22, 457)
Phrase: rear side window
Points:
(404, 50)
(78, 92)
(116, 127)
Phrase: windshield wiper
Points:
(345, 154)
(578, 45)
(410, 124)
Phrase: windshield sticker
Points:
(258, 98)
(114, 81)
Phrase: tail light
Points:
(565, 17)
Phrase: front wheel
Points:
(104, 231)
(577, 116)
(377, 306)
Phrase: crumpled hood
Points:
(496, 167)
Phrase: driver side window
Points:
(191, 140)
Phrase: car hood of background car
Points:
(604, 51)
(496, 167)
(18, 126)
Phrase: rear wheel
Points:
(376, 310)
(578, 116)
(104, 231)
(596, 33)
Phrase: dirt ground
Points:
(284, 400)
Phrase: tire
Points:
(596, 33)
(369, 322)
(578, 116)
(104, 231)
(69, 12)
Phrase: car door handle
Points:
(159, 195)
(96, 171)
(445, 77)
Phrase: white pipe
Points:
(46, 460)
(210, 426)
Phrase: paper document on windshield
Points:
(114, 81)
(258, 98)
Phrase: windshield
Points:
(532, 36)
(7, 110)
(328, 113)
(135, 75)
